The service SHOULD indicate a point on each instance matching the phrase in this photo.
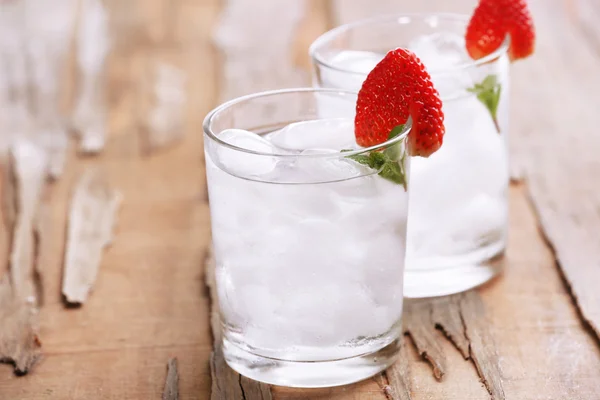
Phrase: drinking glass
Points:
(309, 241)
(458, 214)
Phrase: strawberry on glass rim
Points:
(399, 87)
(487, 30)
(492, 21)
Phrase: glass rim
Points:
(206, 125)
(332, 33)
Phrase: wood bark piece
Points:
(421, 329)
(226, 383)
(29, 167)
(92, 218)
(398, 376)
(462, 319)
(93, 45)
(19, 343)
(171, 390)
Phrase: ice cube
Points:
(333, 134)
(348, 317)
(337, 168)
(241, 163)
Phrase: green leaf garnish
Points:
(389, 163)
(488, 92)
(398, 129)
(394, 151)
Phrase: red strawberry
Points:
(397, 87)
(490, 23)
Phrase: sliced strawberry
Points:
(492, 21)
(397, 87)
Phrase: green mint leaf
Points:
(388, 163)
(387, 168)
(392, 171)
(398, 129)
(488, 93)
(364, 159)
(395, 151)
(378, 159)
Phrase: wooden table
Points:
(533, 333)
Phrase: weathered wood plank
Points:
(544, 350)
(560, 156)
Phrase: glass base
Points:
(313, 374)
(445, 276)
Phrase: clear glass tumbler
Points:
(458, 214)
(309, 243)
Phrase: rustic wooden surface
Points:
(531, 334)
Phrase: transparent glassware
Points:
(309, 244)
(458, 217)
